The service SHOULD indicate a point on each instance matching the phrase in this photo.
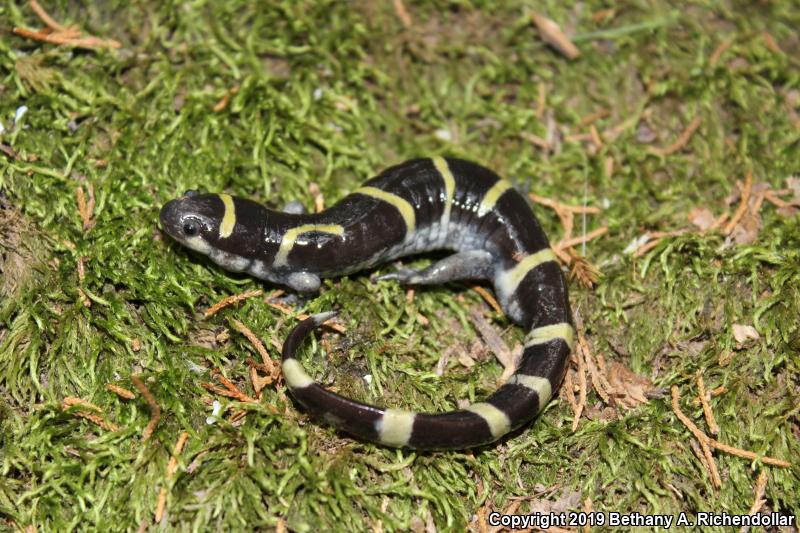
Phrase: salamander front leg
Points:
(303, 282)
(474, 264)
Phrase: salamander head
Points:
(226, 229)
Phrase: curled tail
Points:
(514, 404)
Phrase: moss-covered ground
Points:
(332, 92)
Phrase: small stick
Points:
(402, 13)
(712, 393)
(569, 243)
(257, 344)
(119, 391)
(745, 454)
(680, 142)
(487, 296)
(541, 101)
(81, 268)
(553, 35)
(699, 435)
(233, 389)
(47, 19)
(83, 209)
(595, 116)
(569, 389)
(769, 40)
(555, 204)
(609, 166)
(67, 38)
(587, 509)
(172, 467)
(595, 137)
(719, 221)
(718, 51)
(316, 194)
(223, 102)
(656, 238)
(69, 401)
(709, 414)
(597, 380)
(98, 419)
(758, 499)
(493, 340)
(772, 197)
(743, 203)
(302, 316)
(230, 300)
(581, 390)
(535, 140)
(155, 409)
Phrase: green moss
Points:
(332, 92)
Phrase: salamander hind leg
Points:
(295, 207)
(473, 264)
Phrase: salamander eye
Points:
(191, 228)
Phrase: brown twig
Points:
(718, 51)
(85, 208)
(771, 43)
(594, 116)
(233, 389)
(601, 386)
(575, 241)
(705, 439)
(172, 467)
(655, 239)
(553, 35)
(56, 33)
(680, 142)
(487, 296)
(155, 409)
(699, 435)
(230, 300)
(223, 102)
(569, 389)
(758, 497)
(746, 454)
(47, 19)
(581, 389)
(493, 340)
(82, 411)
(541, 100)
(119, 391)
(707, 412)
(743, 204)
(556, 205)
(582, 269)
(402, 13)
(712, 393)
(257, 344)
(316, 194)
(340, 328)
(594, 136)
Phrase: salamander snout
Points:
(192, 220)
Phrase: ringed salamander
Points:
(414, 207)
